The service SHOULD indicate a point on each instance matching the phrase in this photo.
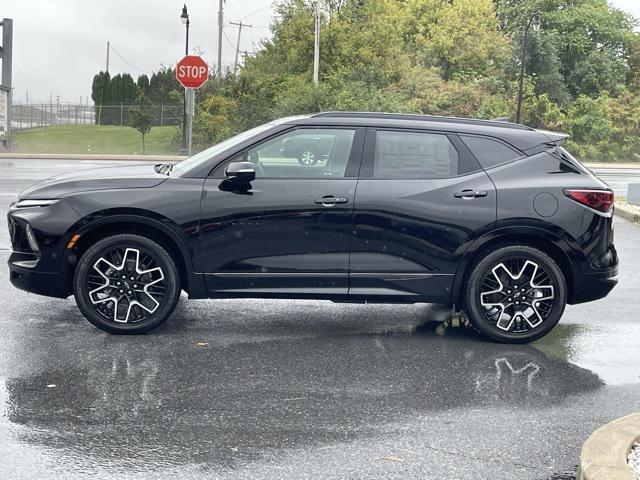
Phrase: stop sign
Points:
(192, 71)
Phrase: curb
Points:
(604, 454)
(51, 156)
(627, 211)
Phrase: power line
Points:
(125, 60)
(228, 40)
(257, 11)
(235, 25)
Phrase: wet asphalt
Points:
(305, 389)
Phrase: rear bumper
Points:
(29, 280)
(593, 286)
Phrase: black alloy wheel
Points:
(126, 284)
(515, 294)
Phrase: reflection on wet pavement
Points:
(267, 394)
(226, 384)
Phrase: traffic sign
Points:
(192, 71)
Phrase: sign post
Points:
(4, 111)
(190, 101)
(192, 72)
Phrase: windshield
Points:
(205, 155)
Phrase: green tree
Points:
(161, 84)
(141, 118)
(443, 57)
(460, 36)
(100, 92)
(633, 79)
(143, 84)
(214, 121)
(584, 33)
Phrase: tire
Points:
(308, 157)
(502, 313)
(142, 303)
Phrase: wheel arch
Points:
(541, 239)
(159, 230)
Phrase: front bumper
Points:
(38, 237)
(41, 283)
(593, 286)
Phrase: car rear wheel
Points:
(126, 284)
(515, 294)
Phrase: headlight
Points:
(35, 203)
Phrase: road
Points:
(305, 389)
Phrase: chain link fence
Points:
(34, 115)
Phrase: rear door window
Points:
(490, 152)
(407, 155)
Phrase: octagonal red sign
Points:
(192, 71)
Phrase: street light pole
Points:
(535, 21)
(184, 18)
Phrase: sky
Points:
(59, 45)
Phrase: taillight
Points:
(600, 200)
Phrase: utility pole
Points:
(6, 53)
(108, 48)
(535, 22)
(240, 25)
(316, 45)
(220, 22)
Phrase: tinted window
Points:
(303, 153)
(489, 152)
(414, 155)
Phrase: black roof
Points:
(520, 136)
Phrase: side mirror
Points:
(241, 172)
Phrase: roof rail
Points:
(427, 118)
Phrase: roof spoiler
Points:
(555, 138)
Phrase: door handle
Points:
(470, 193)
(330, 200)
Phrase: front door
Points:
(421, 198)
(290, 231)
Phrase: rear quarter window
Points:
(490, 152)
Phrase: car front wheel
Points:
(126, 284)
(515, 294)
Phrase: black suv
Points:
(495, 218)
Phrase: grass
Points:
(94, 139)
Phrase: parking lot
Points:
(304, 389)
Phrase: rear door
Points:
(421, 199)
